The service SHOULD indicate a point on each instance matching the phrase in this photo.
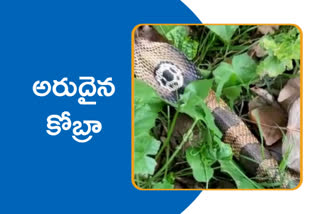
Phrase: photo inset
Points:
(216, 107)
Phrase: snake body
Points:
(168, 71)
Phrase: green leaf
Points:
(271, 66)
(224, 150)
(205, 73)
(245, 68)
(284, 46)
(165, 184)
(145, 94)
(199, 87)
(144, 146)
(179, 36)
(189, 47)
(192, 103)
(268, 44)
(224, 75)
(200, 164)
(230, 78)
(289, 50)
(163, 29)
(147, 104)
(241, 180)
(232, 92)
(282, 50)
(225, 32)
(144, 118)
(195, 107)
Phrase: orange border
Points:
(132, 110)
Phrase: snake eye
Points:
(169, 76)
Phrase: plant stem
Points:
(231, 48)
(166, 142)
(183, 171)
(167, 147)
(168, 115)
(261, 135)
(184, 140)
(246, 31)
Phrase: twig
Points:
(284, 128)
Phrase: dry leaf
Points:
(291, 143)
(257, 102)
(148, 33)
(265, 95)
(258, 51)
(267, 112)
(270, 119)
(265, 29)
(289, 93)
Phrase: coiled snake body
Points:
(168, 71)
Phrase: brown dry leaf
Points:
(265, 95)
(291, 143)
(270, 118)
(257, 51)
(265, 110)
(148, 33)
(257, 102)
(265, 29)
(289, 93)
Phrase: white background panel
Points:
(306, 15)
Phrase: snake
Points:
(168, 71)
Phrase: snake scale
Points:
(168, 71)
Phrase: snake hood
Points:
(163, 67)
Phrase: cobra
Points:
(168, 71)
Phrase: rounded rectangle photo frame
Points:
(217, 107)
